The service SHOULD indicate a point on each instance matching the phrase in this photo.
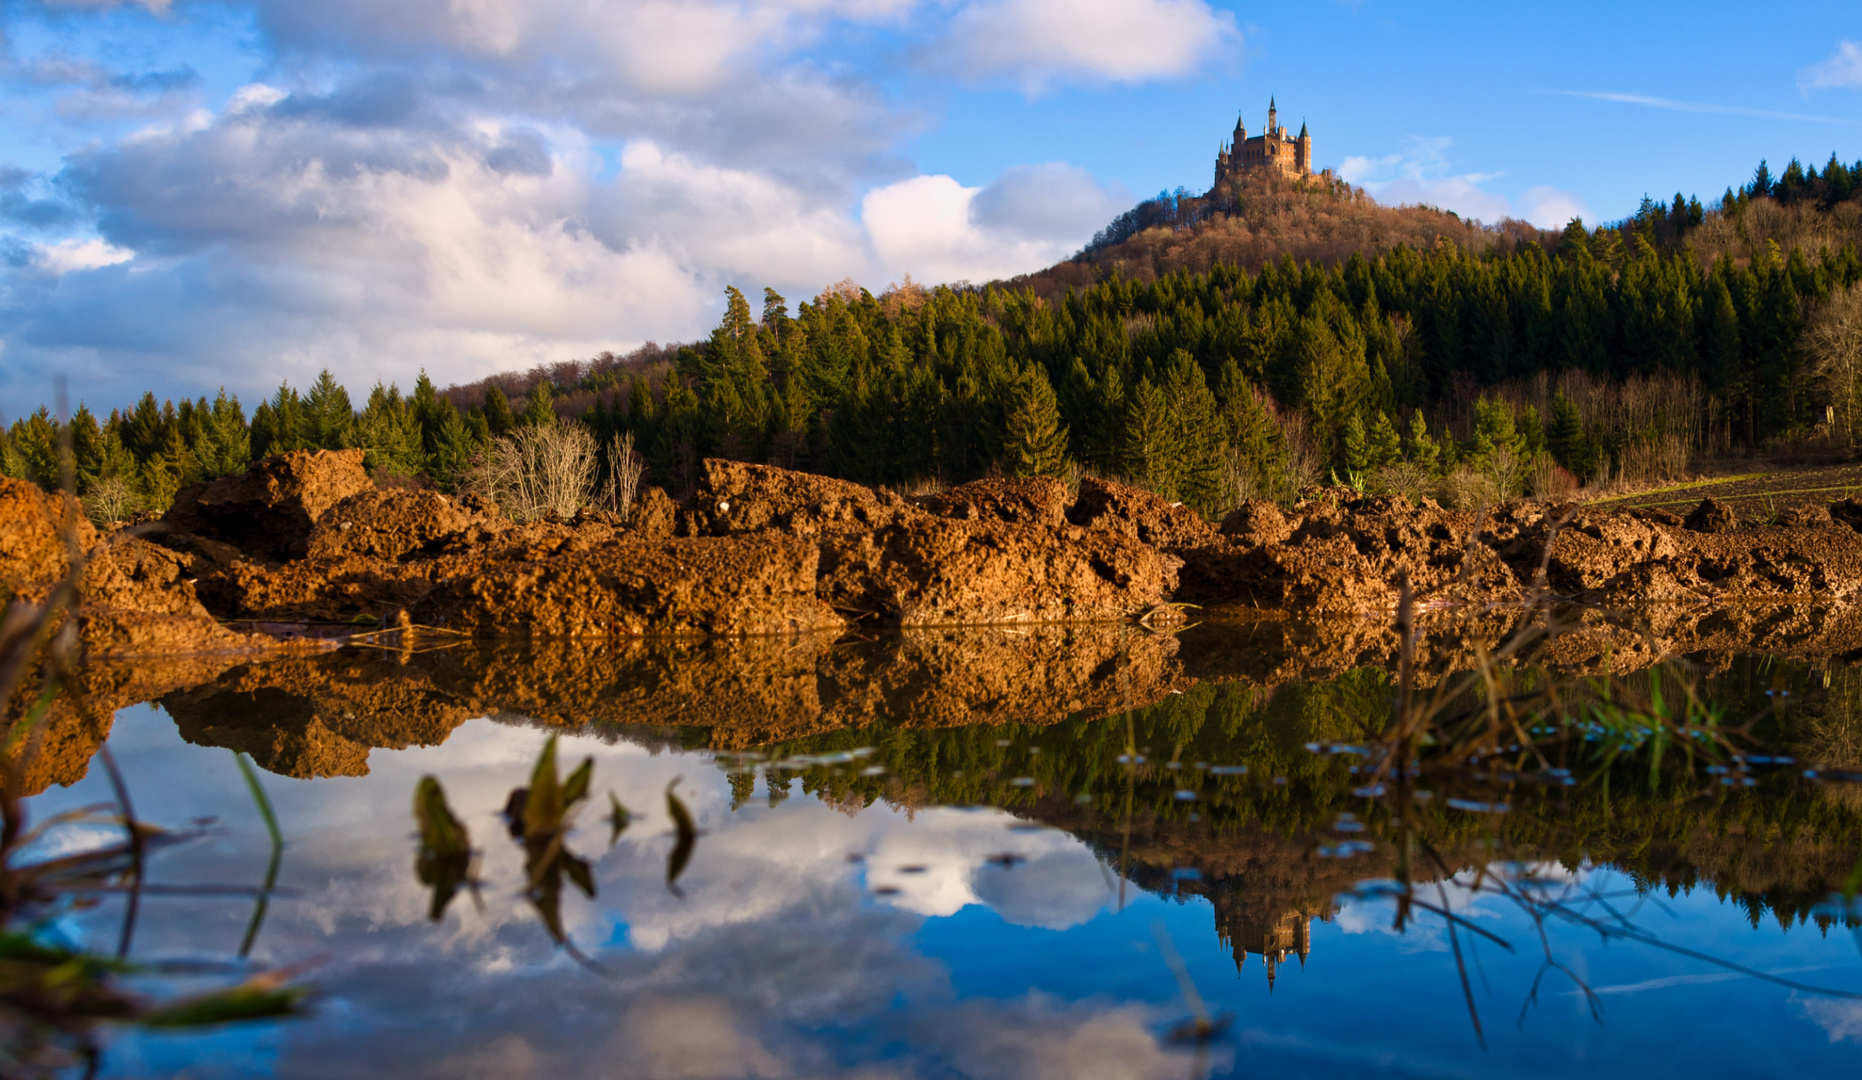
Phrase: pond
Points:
(978, 854)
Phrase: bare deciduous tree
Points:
(625, 470)
(1834, 340)
(539, 472)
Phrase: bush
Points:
(1467, 489)
(538, 472)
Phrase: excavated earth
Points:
(307, 539)
(303, 550)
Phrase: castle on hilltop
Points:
(1274, 150)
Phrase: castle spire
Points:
(1272, 125)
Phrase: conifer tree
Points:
(1419, 447)
(1036, 442)
(539, 408)
(453, 449)
(1199, 437)
(497, 412)
(1354, 455)
(328, 418)
(1149, 452)
(224, 447)
(389, 434)
(1383, 444)
(86, 448)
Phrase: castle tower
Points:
(1273, 128)
(1302, 156)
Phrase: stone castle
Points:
(1275, 150)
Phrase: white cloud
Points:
(480, 185)
(1419, 175)
(1844, 69)
(68, 256)
(1550, 208)
(934, 228)
(1040, 42)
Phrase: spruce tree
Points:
(328, 418)
(1200, 437)
(1354, 456)
(539, 410)
(389, 434)
(453, 449)
(1036, 441)
(225, 444)
(1383, 445)
(1150, 453)
(497, 412)
(1419, 446)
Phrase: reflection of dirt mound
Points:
(317, 715)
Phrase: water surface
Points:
(919, 858)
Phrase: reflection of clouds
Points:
(1841, 1020)
(778, 962)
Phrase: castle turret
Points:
(1302, 157)
(1273, 127)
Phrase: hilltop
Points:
(1257, 217)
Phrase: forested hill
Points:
(1259, 218)
(1466, 369)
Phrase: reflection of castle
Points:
(1289, 935)
(1274, 151)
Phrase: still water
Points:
(972, 876)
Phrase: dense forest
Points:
(1501, 362)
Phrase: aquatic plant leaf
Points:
(618, 819)
(440, 831)
(578, 872)
(254, 999)
(575, 789)
(444, 860)
(544, 805)
(687, 836)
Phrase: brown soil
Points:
(269, 510)
(306, 537)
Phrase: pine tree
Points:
(86, 448)
(328, 419)
(1383, 445)
(1036, 441)
(497, 412)
(389, 434)
(278, 424)
(35, 440)
(1354, 456)
(453, 449)
(225, 444)
(539, 410)
(1149, 451)
(1200, 437)
(1419, 447)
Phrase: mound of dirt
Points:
(1134, 512)
(37, 530)
(1035, 500)
(269, 510)
(714, 585)
(401, 525)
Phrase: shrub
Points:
(537, 472)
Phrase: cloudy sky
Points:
(196, 193)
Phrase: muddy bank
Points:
(307, 538)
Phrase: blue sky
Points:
(196, 194)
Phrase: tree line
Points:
(1395, 370)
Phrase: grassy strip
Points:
(1764, 495)
(1688, 485)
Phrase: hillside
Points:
(1259, 218)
